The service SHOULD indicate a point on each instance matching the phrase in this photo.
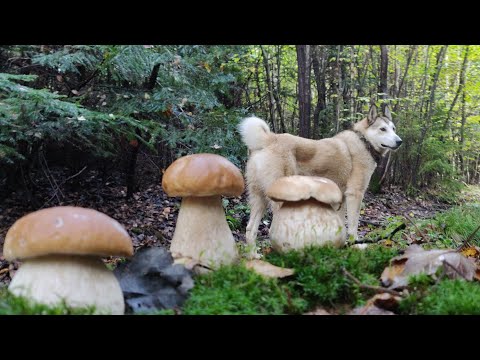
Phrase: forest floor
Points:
(150, 216)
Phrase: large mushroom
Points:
(61, 249)
(308, 214)
(202, 233)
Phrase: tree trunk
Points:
(430, 106)
(134, 145)
(383, 85)
(461, 85)
(304, 95)
(378, 176)
(276, 92)
(271, 102)
(462, 132)
(402, 80)
(337, 88)
(318, 64)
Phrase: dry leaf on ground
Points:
(416, 261)
(266, 269)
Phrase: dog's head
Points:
(381, 131)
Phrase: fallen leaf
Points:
(369, 310)
(386, 301)
(416, 261)
(266, 269)
(388, 242)
(318, 311)
(471, 251)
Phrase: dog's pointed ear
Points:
(387, 113)
(372, 114)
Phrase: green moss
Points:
(319, 276)
(448, 297)
(237, 290)
(14, 305)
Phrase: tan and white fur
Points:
(345, 158)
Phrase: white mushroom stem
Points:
(202, 232)
(80, 281)
(304, 223)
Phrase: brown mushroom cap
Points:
(202, 175)
(297, 187)
(66, 230)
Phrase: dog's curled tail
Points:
(255, 133)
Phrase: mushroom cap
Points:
(66, 230)
(202, 175)
(297, 187)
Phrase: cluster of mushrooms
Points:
(61, 248)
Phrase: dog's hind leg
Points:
(263, 168)
(258, 205)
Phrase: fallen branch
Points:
(377, 289)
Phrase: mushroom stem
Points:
(298, 224)
(202, 232)
(79, 281)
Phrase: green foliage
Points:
(235, 212)
(318, 272)
(460, 221)
(389, 225)
(450, 228)
(237, 290)
(448, 297)
(35, 117)
(14, 305)
(70, 58)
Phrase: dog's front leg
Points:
(354, 201)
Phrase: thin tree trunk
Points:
(462, 132)
(383, 86)
(271, 102)
(430, 106)
(304, 95)
(318, 64)
(276, 92)
(379, 175)
(461, 85)
(338, 88)
(257, 82)
(133, 144)
(411, 51)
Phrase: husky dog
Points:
(349, 159)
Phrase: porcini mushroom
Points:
(61, 249)
(308, 214)
(202, 232)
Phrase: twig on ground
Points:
(377, 289)
(388, 236)
(370, 222)
(73, 176)
(454, 268)
(422, 233)
(470, 237)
